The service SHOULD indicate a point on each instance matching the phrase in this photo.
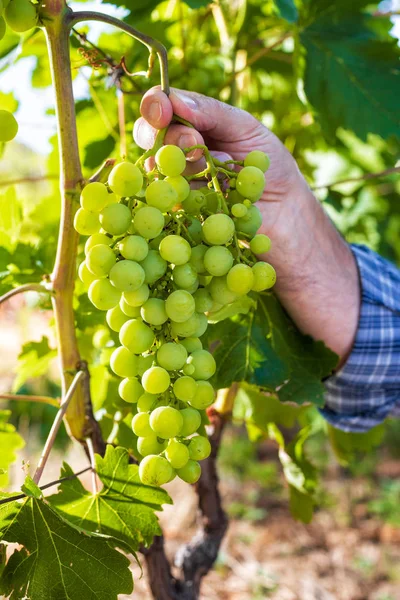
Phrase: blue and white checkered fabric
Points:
(367, 388)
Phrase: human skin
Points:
(317, 276)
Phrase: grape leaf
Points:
(347, 445)
(124, 509)
(96, 152)
(10, 442)
(57, 560)
(288, 10)
(33, 361)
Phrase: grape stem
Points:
(212, 171)
(158, 142)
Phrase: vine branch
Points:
(29, 179)
(28, 287)
(364, 177)
(30, 398)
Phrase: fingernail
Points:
(190, 102)
(187, 140)
(155, 112)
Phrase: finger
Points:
(156, 108)
(179, 135)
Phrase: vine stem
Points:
(212, 170)
(364, 177)
(28, 287)
(32, 179)
(30, 398)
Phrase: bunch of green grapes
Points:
(159, 259)
(20, 15)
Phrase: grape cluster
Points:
(159, 259)
(20, 15)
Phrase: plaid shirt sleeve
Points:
(366, 389)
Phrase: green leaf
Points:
(8, 102)
(96, 152)
(10, 442)
(288, 10)
(197, 3)
(241, 306)
(124, 509)
(10, 219)
(30, 488)
(57, 560)
(33, 361)
(347, 445)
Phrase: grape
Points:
(203, 300)
(204, 280)
(264, 276)
(155, 380)
(85, 275)
(180, 306)
(100, 259)
(134, 247)
(97, 239)
(130, 389)
(149, 222)
(197, 258)
(127, 276)
(141, 425)
(136, 336)
(191, 421)
(212, 201)
(85, 222)
(162, 195)
(128, 310)
(188, 370)
(234, 197)
(185, 276)
(185, 388)
(258, 159)
(240, 279)
(123, 362)
(20, 15)
(2, 34)
(239, 210)
(260, 244)
(150, 445)
(155, 470)
(218, 260)
(195, 326)
(218, 229)
(190, 472)
(220, 292)
(171, 160)
(101, 338)
(180, 185)
(195, 230)
(103, 295)
(250, 183)
(115, 318)
(8, 123)
(175, 249)
(125, 179)
(191, 344)
(145, 362)
(177, 454)
(204, 395)
(146, 402)
(202, 324)
(94, 197)
(153, 311)
(251, 222)
(137, 297)
(203, 363)
(199, 447)
(194, 202)
(115, 218)
(172, 356)
(154, 267)
(166, 421)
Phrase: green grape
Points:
(97, 239)
(85, 275)
(130, 390)
(250, 183)
(215, 307)
(185, 388)
(155, 380)
(239, 210)
(149, 222)
(128, 310)
(218, 260)
(8, 123)
(100, 259)
(199, 447)
(166, 422)
(195, 326)
(115, 219)
(264, 276)
(204, 280)
(155, 242)
(116, 317)
(184, 276)
(145, 362)
(103, 295)
(136, 336)
(191, 421)
(212, 201)
(137, 297)
(191, 344)
(193, 287)
(170, 160)
(234, 197)
(240, 279)
(146, 402)
(153, 311)
(197, 258)
(194, 202)
(155, 470)
(204, 395)
(172, 356)
(218, 229)
(20, 15)
(203, 301)
(150, 445)
(125, 179)
(251, 222)
(220, 292)
(188, 369)
(258, 159)
(195, 230)
(101, 338)
(127, 275)
(175, 249)
(123, 363)
(134, 247)
(141, 425)
(162, 195)
(190, 472)
(94, 197)
(203, 363)
(180, 185)
(180, 306)
(260, 244)
(177, 454)
(85, 222)
(2, 34)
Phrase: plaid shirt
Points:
(366, 389)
